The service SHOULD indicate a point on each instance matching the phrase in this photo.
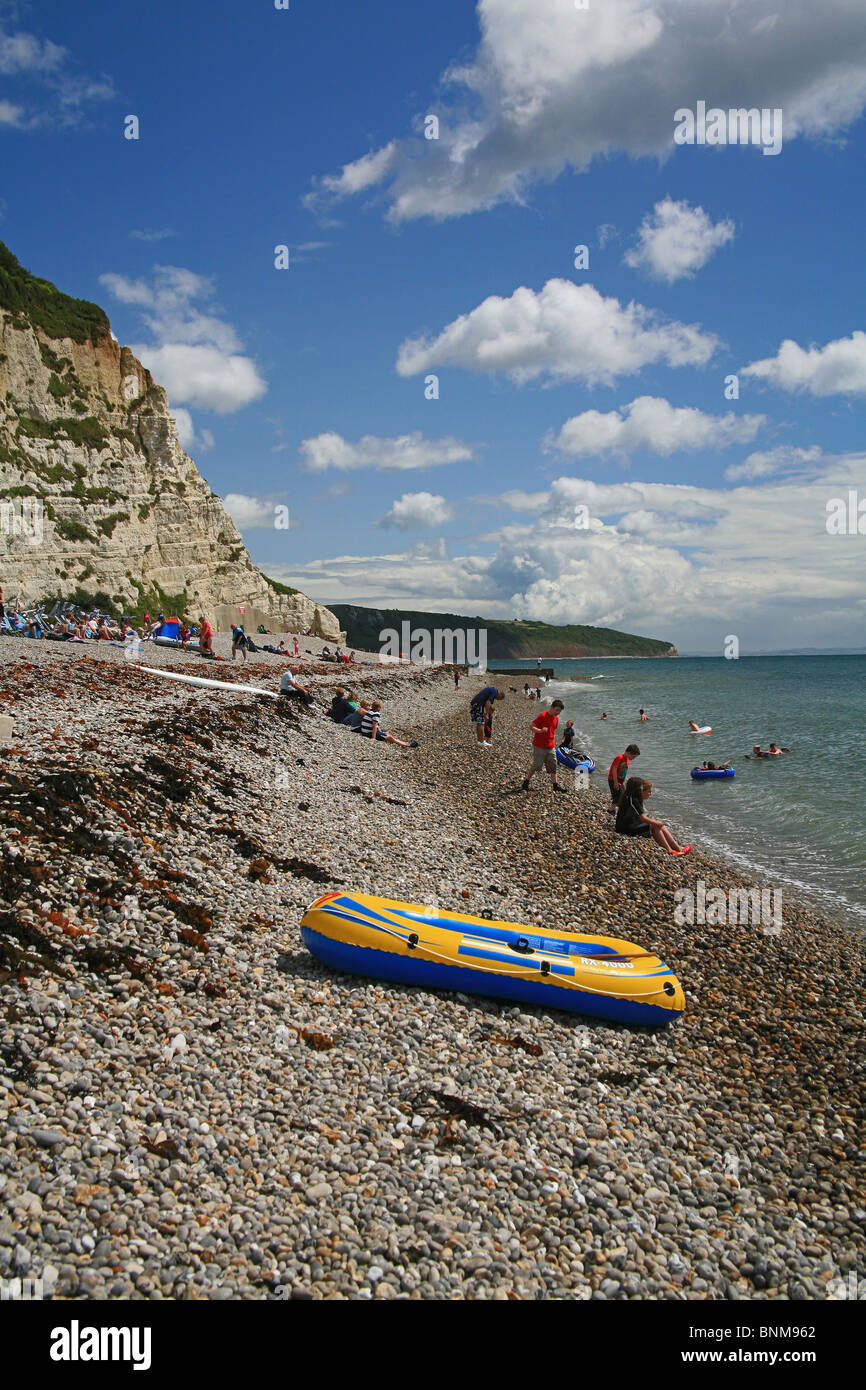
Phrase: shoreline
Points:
(339, 1137)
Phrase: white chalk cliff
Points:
(86, 432)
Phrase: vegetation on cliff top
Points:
(506, 639)
(47, 307)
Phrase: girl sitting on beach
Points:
(631, 820)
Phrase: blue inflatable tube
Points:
(569, 760)
(703, 774)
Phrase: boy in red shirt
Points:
(543, 745)
(617, 773)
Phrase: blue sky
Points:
(581, 462)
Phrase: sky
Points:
(346, 241)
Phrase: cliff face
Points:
(96, 493)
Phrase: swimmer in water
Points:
(775, 751)
(716, 767)
(693, 726)
(604, 716)
(643, 717)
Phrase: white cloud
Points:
(186, 433)
(838, 368)
(194, 354)
(772, 462)
(675, 240)
(206, 377)
(355, 177)
(680, 562)
(416, 511)
(565, 331)
(11, 115)
(53, 92)
(20, 53)
(551, 86)
(651, 422)
(249, 513)
(406, 451)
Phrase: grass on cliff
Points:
(47, 307)
(511, 639)
(278, 587)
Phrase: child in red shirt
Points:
(543, 745)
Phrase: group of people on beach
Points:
(363, 717)
(628, 794)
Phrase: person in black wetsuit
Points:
(568, 735)
(632, 820)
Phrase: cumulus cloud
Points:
(194, 353)
(416, 511)
(186, 432)
(838, 368)
(564, 331)
(52, 89)
(406, 451)
(553, 87)
(249, 513)
(214, 380)
(650, 422)
(675, 240)
(669, 560)
(770, 463)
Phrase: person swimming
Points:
(643, 717)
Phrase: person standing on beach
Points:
(617, 773)
(239, 642)
(568, 735)
(543, 745)
(205, 636)
(481, 713)
(456, 677)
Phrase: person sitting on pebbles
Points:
(290, 686)
(632, 820)
(370, 727)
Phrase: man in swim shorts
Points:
(481, 712)
(617, 773)
(543, 745)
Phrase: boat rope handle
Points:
(520, 970)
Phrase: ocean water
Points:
(799, 819)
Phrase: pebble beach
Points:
(194, 1108)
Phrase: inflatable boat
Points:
(703, 774)
(436, 949)
(571, 760)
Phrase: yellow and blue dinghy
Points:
(415, 945)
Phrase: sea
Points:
(799, 819)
